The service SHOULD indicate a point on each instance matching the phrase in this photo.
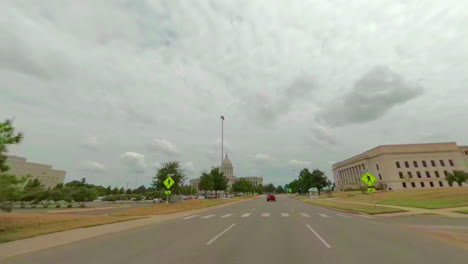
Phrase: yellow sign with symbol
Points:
(167, 192)
(371, 190)
(168, 182)
(368, 178)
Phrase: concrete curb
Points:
(29, 245)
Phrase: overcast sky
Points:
(109, 90)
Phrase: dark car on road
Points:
(271, 197)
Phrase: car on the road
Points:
(271, 197)
(200, 197)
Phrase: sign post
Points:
(168, 182)
(369, 179)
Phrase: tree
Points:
(173, 169)
(108, 190)
(10, 191)
(8, 136)
(115, 190)
(279, 189)
(259, 189)
(206, 182)
(82, 195)
(141, 189)
(270, 188)
(220, 183)
(242, 186)
(457, 176)
(319, 180)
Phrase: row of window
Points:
(418, 174)
(422, 184)
(424, 163)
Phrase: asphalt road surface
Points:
(286, 231)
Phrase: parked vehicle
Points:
(200, 197)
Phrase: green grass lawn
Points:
(368, 209)
(462, 211)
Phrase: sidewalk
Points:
(28, 245)
(412, 210)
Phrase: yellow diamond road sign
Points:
(167, 192)
(368, 178)
(370, 190)
(168, 182)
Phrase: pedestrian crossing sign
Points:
(368, 178)
(370, 190)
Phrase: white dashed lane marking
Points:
(265, 214)
(343, 215)
(246, 215)
(284, 214)
(366, 216)
(208, 216)
(188, 217)
(226, 215)
(324, 215)
(305, 215)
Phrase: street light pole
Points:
(222, 140)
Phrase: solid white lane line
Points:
(366, 216)
(324, 215)
(345, 216)
(226, 215)
(318, 236)
(208, 216)
(188, 217)
(305, 215)
(246, 215)
(284, 214)
(265, 214)
(220, 234)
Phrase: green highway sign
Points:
(168, 182)
(167, 192)
(370, 190)
(368, 178)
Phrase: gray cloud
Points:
(164, 146)
(323, 135)
(372, 96)
(93, 166)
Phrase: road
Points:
(286, 231)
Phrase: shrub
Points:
(70, 205)
(58, 205)
(33, 205)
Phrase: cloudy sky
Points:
(109, 90)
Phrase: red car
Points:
(271, 197)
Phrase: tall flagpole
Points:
(222, 140)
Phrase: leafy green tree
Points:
(173, 169)
(188, 190)
(457, 176)
(141, 189)
(220, 183)
(242, 186)
(57, 195)
(115, 190)
(319, 180)
(122, 190)
(82, 195)
(8, 136)
(206, 182)
(269, 188)
(77, 184)
(108, 190)
(259, 189)
(279, 189)
(10, 191)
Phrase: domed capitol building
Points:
(228, 171)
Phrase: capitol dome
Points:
(227, 168)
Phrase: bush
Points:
(33, 205)
(349, 189)
(58, 205)
(70, 205)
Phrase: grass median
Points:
(15, 226)
(368, 209)
(162, 208)
(462, 211)
(435, 198)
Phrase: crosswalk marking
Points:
(324, 215)
(208, 216)
(305, 215)
(265, 214)
(246, 215)
(345, 216)
(226, 215)
(188, 217)
(284, 214)
(366, 216)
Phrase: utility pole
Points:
(222, 140)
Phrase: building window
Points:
(415, 163)
(377, 166)
(433, 163)
(451, 163)
(419, 174)
(441, 184)
(445, 172)
(424, 163)
(442, 163)
(413, 185)
(437, 174)
(422, 184)
(363, 166)
(400, 174)
(431, 184)
(404, 184)
(380, 176)
(466, 152)
(410, 174)
(428, 174)
(406, 164)
(397, 164)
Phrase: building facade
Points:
(228, 171)
(44, 173)
(407, 166)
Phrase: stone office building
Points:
(408, 166)
(44, 173)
